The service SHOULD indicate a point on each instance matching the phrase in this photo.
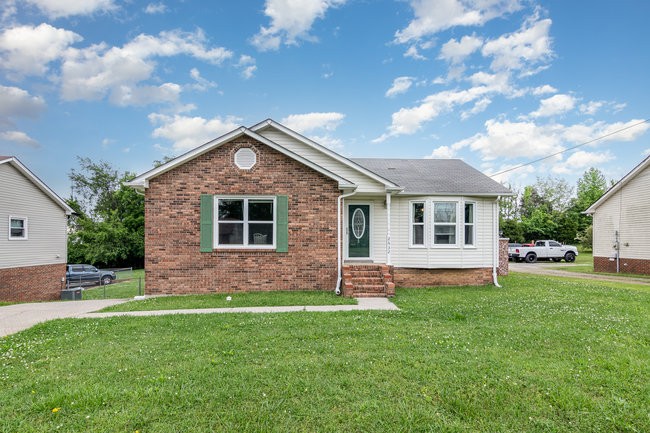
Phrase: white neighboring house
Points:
(33, 235)
(621, 224)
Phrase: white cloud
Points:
(18, 137)
(480, 106)
(580, 160)
(201, 84)
(647, 151)
(155, 8)
(188, 132)
(290, 21)
(247, 65)
(456, 51)
(432, 16)
(413, 53)
(66, 8)
(400, 85)
(442, 152)
(27, 50)
(328, 141)
(308, 122)
(543, 90)
(528, 46)
(16, 102)
(591, 107)
(555, 105)
(92, 73)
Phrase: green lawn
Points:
(281, 298)
(538, 355)
(127, 285)
(585, 264)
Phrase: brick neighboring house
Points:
(264, 208)
(33, 235)
(621, 228)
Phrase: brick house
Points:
(264, 208)
(621, 229)
(33, 235)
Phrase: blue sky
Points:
(496, 83)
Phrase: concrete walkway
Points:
(549, 269)
(15, 318)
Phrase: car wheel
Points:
(107, 280)
(531, 258)
(569, 257)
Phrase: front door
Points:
(359, 231)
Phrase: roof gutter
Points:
(495, 252)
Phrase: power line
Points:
(571, 148)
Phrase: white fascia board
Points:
(39, 183)
(618, 186)
(330, 153)
(142, 182)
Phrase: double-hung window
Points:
(17, 228)
(417, 224)
(245, 222)
(469, 224)
(444, 223)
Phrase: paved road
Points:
(17, 317)
(546, 268)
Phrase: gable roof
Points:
(434, 176)
(15, 163)
(142, 181)
(619, 185)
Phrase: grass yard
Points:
(127, 285)
(258, 299)
(585, 264)
(538, 355)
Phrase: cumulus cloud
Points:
(413, 53)
(155, 8)
(580, 160)
(188, 132)
(400, 85)
(456, 51)
(65, 8)
(18, 137)
(247, 65)
(28, 50)
(591, 107)
(290, 21)
(308, 122)
(555, 105)
(442, 152)
(433, 16)
(543, 90)
(201, 84)
(16, 102)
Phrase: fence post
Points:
(139, 286)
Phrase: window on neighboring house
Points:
(444, 223)
(469, 224)
(17, 228)
(417, 224)
(245, 222)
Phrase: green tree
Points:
(591, 186)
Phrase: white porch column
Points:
(388, 246)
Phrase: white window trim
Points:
(424, 224)
(456, 224)
(245, 222)
(26, 226)
(472, 245)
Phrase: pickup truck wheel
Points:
(531, 258)
(106, 280)
(569, 257)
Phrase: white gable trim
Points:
(14, 162)
(142, 181)
(390, 186)
(618, 186)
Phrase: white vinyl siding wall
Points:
(365, 184)
(479, 255)
(627, 212)
(47, 223)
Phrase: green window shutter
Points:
(207, 221)
(282, 224)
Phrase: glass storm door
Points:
(359, 230)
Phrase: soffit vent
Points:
(245, 158)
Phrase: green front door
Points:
(359, 230)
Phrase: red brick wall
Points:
(503, 257)
(408, 277)
(631, 266)
(32, 283)
(173, 262)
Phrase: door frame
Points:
(346, 235)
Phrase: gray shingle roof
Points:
(433, 176)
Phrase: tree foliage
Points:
(108, 226)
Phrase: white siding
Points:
(628, 212)
(365, 183)
(47, 223)
(478, 256)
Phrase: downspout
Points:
(339, 258)
(495, 252)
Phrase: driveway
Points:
(17, 317)
(550, 268)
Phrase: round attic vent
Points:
(245, 158)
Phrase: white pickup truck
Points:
(550, 250)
